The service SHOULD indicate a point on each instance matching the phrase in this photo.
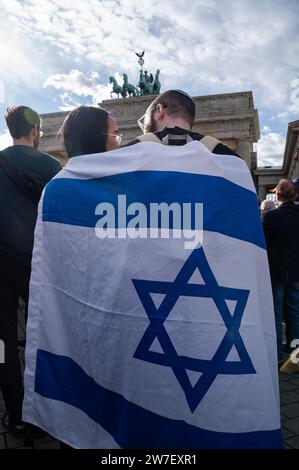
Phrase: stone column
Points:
(262, 192)
(244, 149)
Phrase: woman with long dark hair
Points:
(89, 129)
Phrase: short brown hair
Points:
(178, 104)
(286, 190)
(20, 120)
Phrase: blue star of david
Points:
(156, 329)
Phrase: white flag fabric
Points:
(142, 342)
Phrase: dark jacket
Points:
(281, 227)
(24, 172)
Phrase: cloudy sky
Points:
(56, 54)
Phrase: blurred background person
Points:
(266, 205)
(281, 227)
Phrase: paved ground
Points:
(289, 407)
(289, 395)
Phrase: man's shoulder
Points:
(159, 136)
(271, 214)
(43, 160)
(270, 220)
(49, 159)
(281, 212)
(31, 161)
(289, 210)
(222, 149)
(27, 151)
(176, 135)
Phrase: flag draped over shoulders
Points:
(135, 340)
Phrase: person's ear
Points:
(161, 111)
(34, 132)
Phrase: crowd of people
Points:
(25, 171)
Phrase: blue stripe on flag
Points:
(60, 378)
(228, 208)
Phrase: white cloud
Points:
(5, 140)
(79, 84)
(270, 148)
(291, 110)
(73, 46)
(19, 59)
(221, 45)
(294, 107)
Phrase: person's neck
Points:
(178, 122)
(23, 141)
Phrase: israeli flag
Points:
(148, 333)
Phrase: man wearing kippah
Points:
(24, 171)
(169, 120)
